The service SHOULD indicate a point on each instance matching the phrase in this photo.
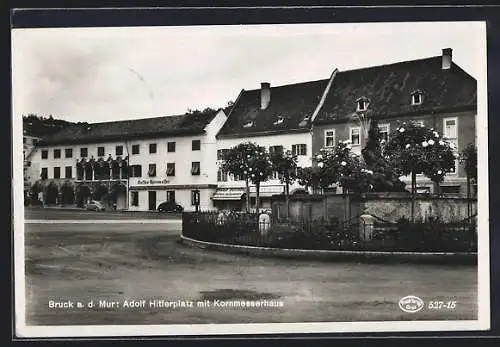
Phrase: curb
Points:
(331, 255)
(84, 210)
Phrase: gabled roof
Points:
(291, 102)
(180, 125)
(389, 87)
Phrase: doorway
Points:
(152, 200)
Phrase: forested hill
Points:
(38, 126)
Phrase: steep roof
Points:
(293, 102)
(389, 87)
(187, 124)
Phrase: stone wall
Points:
(392, 207)
(388, 206)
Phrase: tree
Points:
(382, 177)
(285, 164)
(260, 168)
(414, 149)
(339, 165)
(468, 159)
(249, 162)
(310, 177)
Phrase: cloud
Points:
(122, 73)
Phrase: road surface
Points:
(136, 264)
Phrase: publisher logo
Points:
(411, 304)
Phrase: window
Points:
(57, 153)
(450, 128)
(171, 195)
(451, 134)
(416, 98)
(221, 176)
(450, 189)
(330, 138)
(195, 168)
(135, 149)
(68, 153)
(221, 153)
(300, 149)
(100, 151)
(68, 172)
(45, 154)
(362, 104)
(384, 131)
(171, 147)
(237, 178)
(170, 169)
(195, 197)
(354, 135)
(135, 171)
(134, 197)
(57, 172)
(84, 152)
(119, 150)
(45, 173)
(276, 149)
(195, 145)
(152, 148)
(152, 170)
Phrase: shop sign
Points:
(153, 181)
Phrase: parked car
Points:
(170, 206)
(95, 206)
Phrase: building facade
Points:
(277, 118)
(134, 165)
(434, 91)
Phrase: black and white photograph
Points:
(250, 179)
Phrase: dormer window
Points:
(304, 121)
(279, 120)
(417, 97)
(362, 104)
(248, 124)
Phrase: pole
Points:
(413, 191)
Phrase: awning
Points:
(228, 194)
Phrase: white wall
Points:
(182, 157)
(285, 140)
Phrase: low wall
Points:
(388, 206)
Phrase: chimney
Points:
(447, 58)
(265, 95)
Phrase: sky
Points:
(105, 74)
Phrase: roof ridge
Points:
(291, 84)
(136, 119)
(391, 64)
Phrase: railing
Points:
(245, 229)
